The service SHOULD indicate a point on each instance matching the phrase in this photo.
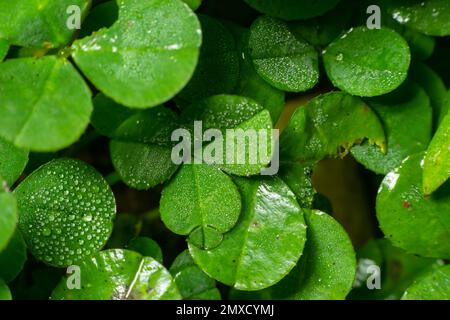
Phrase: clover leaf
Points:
(12, 162)
(434, 285)
(265, 244)
(361, 64)
(120, 275)
(46, 105)
(66, 212)
(202, 202)
(142, 62)
(401, 207)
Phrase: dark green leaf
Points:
(147, 247)
(101, 16)
(193, 4)
(298, 178)
(13, 257)
(8, 217)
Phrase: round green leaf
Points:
(417, 224)
(46, 105)
(13, 257)
(5, 294)
(436, 167)
(147, 247)
(293, 9)
(429, 17)
(281, 58)
(218, 67)
(36, 23)
(326, 270)
(142, 62)
(8, 217)
(406, 108)
(120, 275)
(192, 282)
(367, 62)
(141, 150)
(327, 124)
(265, 244)
(434, 285)
(66, 212)
(12, 162)
(202, 202)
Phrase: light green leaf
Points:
(293, 9)
(120, 275)
(4, 47)
(281, 58)
(37, 23)
(265, 244)
(192, 282)
(8, 217)
(417, 224)
(12, 162)
(66, 212)
(403, 109)
(5, 294)
(147, 247)
(13, 257)
(436, 167)
(193, 4)
(361, 63)
(435, 285)
(142, 62)
(46, 104)
(141, 149)
(202, 202)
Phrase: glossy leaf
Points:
(66, 212)
(405, 108)
(435, 285)
(436, 167)
(141, 150)
(265, 244)
(46, 105)
(5, 294)
(217, 71)
(13, 257)
(36, 23)
(299, 178)
(361, 64)
(326, 124)
(285, 61)
(120, 275)
(326, 269)
(293, 9)
(142, 62)
(417, 224)
(146, 247)
(202, 202)
(192, 282)
(8, 217)
(12, 162)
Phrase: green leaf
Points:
(13, 257)
(281, 58)
(120, 275)
(417, 224)
(192, 282)
(218, 67)
(141, 149)
(142, 62)
(147, 247)
(293, 9)
(202, 202)
(367, 62)
(126, 228)
(299, 178)
(193, 4)
(265, 244)
(108, 115)
(436, 167)
(12, 162)
(435, 285)
(326, 124)
(36, 23)
(397, 270)
(5, 294)
(326, 269)
(46, 104)
(4, 47)
(66, 212)
(405, 108)
(429, 17)
(8, 217)
(101, 16)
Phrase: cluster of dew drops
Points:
(70, 217)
